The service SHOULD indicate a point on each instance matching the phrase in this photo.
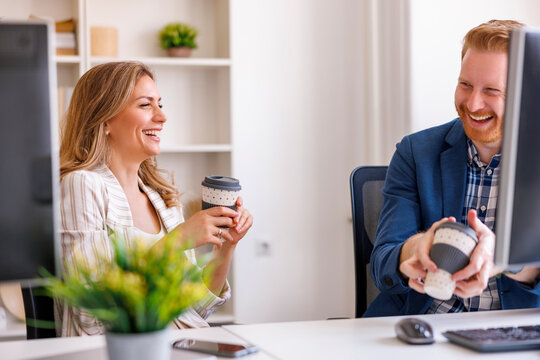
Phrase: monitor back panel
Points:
(26, 211)
(525, 234)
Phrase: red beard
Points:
(486, 135)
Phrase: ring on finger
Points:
(219, 233)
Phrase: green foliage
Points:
(178, 34)
(140, 290)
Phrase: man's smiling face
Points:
(480, 95)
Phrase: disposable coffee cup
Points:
(220, 191)
(451, 250)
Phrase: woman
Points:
(110, 181)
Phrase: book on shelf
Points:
(66, 52)
(65, 35)
(65, 26)
(66, 44)
(65, 40)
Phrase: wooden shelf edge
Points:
(67, 59)
(167, 61)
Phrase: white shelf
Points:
(14, 330)
(166, 61)
(196, 90)
(199, 148)
(67, 59)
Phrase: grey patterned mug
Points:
(220, 191)
(452, 247)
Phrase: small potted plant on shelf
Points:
(178, 39)
(135, 295)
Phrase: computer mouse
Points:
(414, 331)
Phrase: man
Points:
(451, 173)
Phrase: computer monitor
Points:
(518, 208)
(29, 174)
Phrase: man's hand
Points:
(414, 259)
(473, 279)
(527, 276)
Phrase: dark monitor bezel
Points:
(504, 256)
(48, 26)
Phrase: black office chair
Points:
(366, 200)
(39, 310)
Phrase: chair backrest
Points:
(39, 310)
(366, 200)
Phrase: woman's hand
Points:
(203, 228)
(216, 274)
(242, 223)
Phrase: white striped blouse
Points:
(93, 202)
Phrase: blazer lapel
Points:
(454, 171)
(170, 217)
(118, 211)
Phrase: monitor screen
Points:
(27, 160)
(518, 209)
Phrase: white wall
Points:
(437, 29)
(383, 104)
(319, 87)
(294, 67)
(316, 88)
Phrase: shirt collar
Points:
(474, 158)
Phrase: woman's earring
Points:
(107, 132)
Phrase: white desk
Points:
(332, 339)
(62, 347)
(374, 338)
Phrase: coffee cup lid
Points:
(458, 226)
(221, 182)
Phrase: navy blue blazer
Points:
(426, 181)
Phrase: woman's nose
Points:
(160, 115)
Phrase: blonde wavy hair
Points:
(490, 36)
(99, 95)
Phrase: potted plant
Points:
(135, 295)
(178, 39)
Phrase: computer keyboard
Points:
(497, 339)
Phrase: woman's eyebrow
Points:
(151, 98)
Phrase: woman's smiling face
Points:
(134, 134)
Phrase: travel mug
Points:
(451, 250)
(220, 191)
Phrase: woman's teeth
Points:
(151, 132)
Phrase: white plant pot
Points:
(140, 346)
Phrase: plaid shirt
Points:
(482, 191)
